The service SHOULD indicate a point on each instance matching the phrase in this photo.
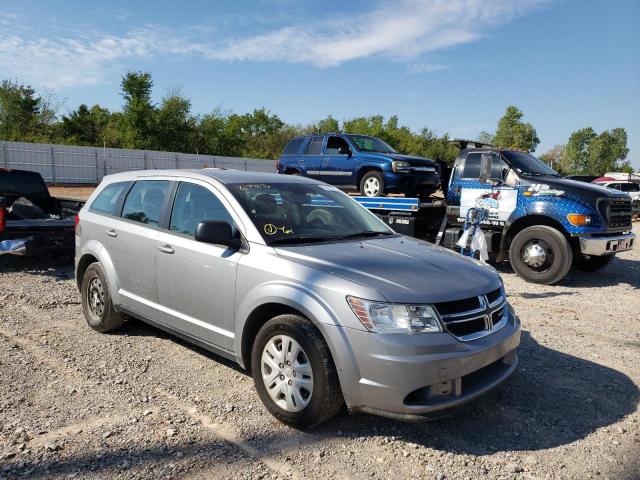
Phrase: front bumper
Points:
(402, 182)
(597, 246)
(416, 377)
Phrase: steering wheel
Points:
(319, 217)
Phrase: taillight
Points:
(76, 221)
(3, 219)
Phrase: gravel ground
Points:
(143, 404)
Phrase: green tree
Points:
(328, 124)
(512, 132)
(139, 119)
(557, 159)
(175, 126)
(607, 151)
(577, 150)
(19, 111)
(485, 137)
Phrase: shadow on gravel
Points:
(157, 462)
(553, 399)
(621, 271)
(57, 267)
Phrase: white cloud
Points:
(394, 30)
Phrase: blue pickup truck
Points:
(361, 161)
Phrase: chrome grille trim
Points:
(489, 313)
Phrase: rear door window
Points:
(315, 145)
(107, 199)
(194, 204)
(15, 182)
(630, 187)
(145, 201)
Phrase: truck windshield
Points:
(365, 143)
(299, 213)
(527, 164)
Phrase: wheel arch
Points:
(509, 233)
(364, 170)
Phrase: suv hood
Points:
(414, 161)
(401, 269)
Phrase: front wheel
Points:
(372, 184)
(293, 372)
(540, 254)
(590, 263)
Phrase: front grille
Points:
(458, 306)
(473, 317)
(618, 212)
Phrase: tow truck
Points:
(541, 222)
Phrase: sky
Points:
(449, 65)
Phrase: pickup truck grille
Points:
(617, 212)
(474, 317)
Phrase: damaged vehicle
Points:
(32, 222)
(295, 281)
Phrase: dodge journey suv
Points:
(359, 161)
(299, 284)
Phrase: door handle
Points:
(300, 161)
(111, 232)
(166, 248)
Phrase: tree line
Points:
(170, 125)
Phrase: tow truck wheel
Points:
(96, 301)
(372, 184)
(541, 254)
(592, 263)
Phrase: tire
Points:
(557, 255)
(97, 307)
(588, 263)
(372, 182)
(325, 398)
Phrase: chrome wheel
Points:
(95, 297)
(371, 187)
(537, 255)
(286, 373)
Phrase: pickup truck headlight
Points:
(382, 317)
(400, 166)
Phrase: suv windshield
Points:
(297, 213)
(527, 164)
(364, 143)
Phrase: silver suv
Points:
(299, 284)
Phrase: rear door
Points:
(312, 157)
(197, 281)
(337, 168)
(133, 238)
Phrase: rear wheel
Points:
(96, 301)
(590, 263)
(540, 254)
(372, 184)
(294, 373)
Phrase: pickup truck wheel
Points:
(294, 373)
(540, 254)
(372, 184)
(96, 301)
(592, 263)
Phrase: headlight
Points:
(393, 318)
(400, 166)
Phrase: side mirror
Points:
(344, 151)
(485, 166)
(217, 233)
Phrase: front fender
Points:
(308, 304)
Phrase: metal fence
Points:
(65, 164)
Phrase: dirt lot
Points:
(143, 404)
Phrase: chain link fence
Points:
(71, 165)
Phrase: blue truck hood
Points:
(414, 161)
(402, 269)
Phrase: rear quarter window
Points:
(107, 199)
(14, 182)
(293, 146)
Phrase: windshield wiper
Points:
(366, 233)
(294, 240)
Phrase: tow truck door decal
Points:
(499, 203)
